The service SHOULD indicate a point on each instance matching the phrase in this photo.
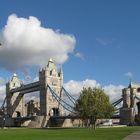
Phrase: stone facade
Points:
(15, 101)
(50, 76)
(21, 114)
(128, 110)
(49, 106)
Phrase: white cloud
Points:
(79, 55)
(26, 42)
(36, 79)
(2, 93)
(113, 91)
(2, 90)
(2, 81)
(74, 87)
(104, 41)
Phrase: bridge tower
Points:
(128, 111)
(15, 101)
(50, 76)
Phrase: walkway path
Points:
(133, 136)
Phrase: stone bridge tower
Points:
(15, 101)
(128, 111)
(50, 76)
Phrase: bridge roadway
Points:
(53, 118)
(32, 87)
(77, 117)
(60, 117)
(65, 117)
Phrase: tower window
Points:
(138, 90)
(51, 72)
(14, 84)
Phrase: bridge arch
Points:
(54, 111)
(138, 89)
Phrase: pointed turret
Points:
(61, 75)
(51, 65)
(50, 60)
(61, 70)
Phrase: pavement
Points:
(133, 136)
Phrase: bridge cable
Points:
(69, 96)
(2, 106)
(117, 102)
(59, 99)
(137, 97)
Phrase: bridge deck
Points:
(27, 88)
(65, 117)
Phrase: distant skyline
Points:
(96, 41)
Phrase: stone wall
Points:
(37, 122)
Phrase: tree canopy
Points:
(93, 102)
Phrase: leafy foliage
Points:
(93, 102)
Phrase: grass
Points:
(66, 134)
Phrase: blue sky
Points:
(107, 36)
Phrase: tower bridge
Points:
(129, 104)
(52, 103)
(15, 91)
(50, 87)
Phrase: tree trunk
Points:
(94, 124)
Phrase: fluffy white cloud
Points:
(113, 91)
(74, 87)
(26, 42)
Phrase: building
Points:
(50, 79)
(131, 98)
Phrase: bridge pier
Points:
(128, 111)
(137, 118)
(50, 76)
(127, 116)
(15, 102)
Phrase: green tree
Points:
(93, 103)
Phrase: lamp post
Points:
(3, 121)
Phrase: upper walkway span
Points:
(32, 87)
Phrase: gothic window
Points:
(14, 84)
(51, 72)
